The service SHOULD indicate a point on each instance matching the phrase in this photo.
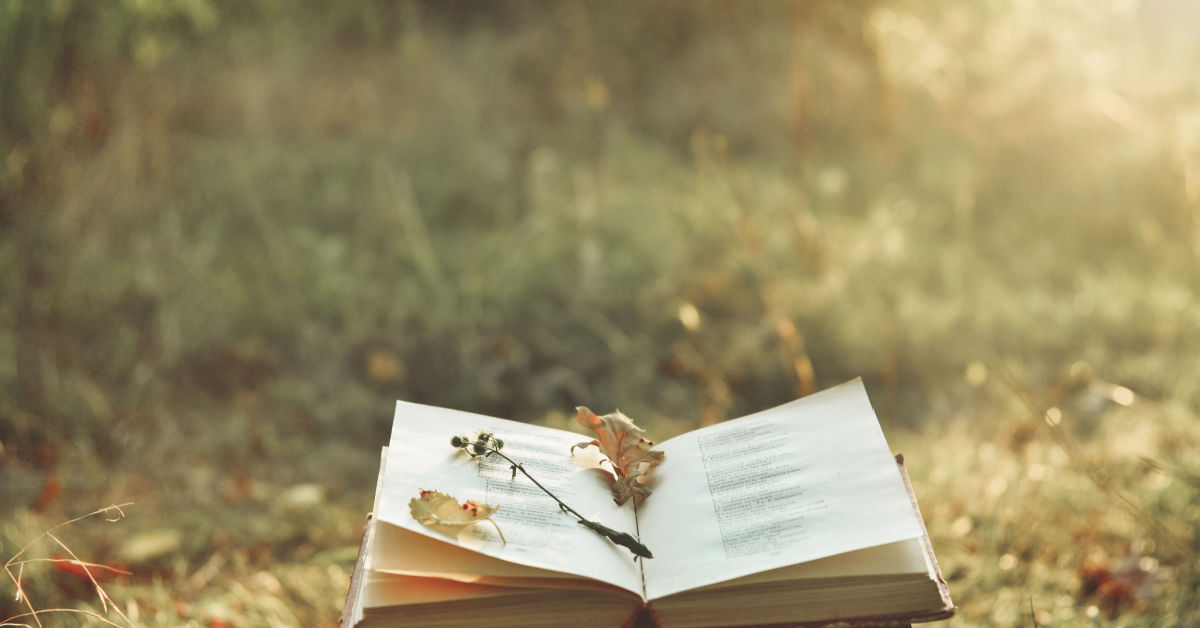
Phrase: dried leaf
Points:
(383, 366)
(445, 514)
(150, 545)
(621, 441)
(48, 494)
(634, 483)
(80, 570)
(623, 539)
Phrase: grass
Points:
(233, 240)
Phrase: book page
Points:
(538, 534)
(802, 481)
(400, 550)
(899, 559)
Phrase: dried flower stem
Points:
(486, 444)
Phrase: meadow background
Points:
(231, 235)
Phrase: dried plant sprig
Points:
(112, 513)
(486, 444)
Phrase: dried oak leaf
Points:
(633, 483)
(620, 440)
(445, 514)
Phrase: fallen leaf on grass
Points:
(620, 440)
(383, 366)
(445, 514)
(1131, 583)
(301, 497)
(150, 545)
(49, 493)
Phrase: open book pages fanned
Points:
(794, 515)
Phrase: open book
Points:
(798, 514)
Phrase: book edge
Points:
(351, 609)
(943, 589)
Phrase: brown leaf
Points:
(226, 371)
(634, 483)
(620, 440)
(383, 366)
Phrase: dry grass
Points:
(81, 569)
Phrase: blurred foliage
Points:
(232, 233)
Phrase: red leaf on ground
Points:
(71, 567)
(48, 494)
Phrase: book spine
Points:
(644, 617)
